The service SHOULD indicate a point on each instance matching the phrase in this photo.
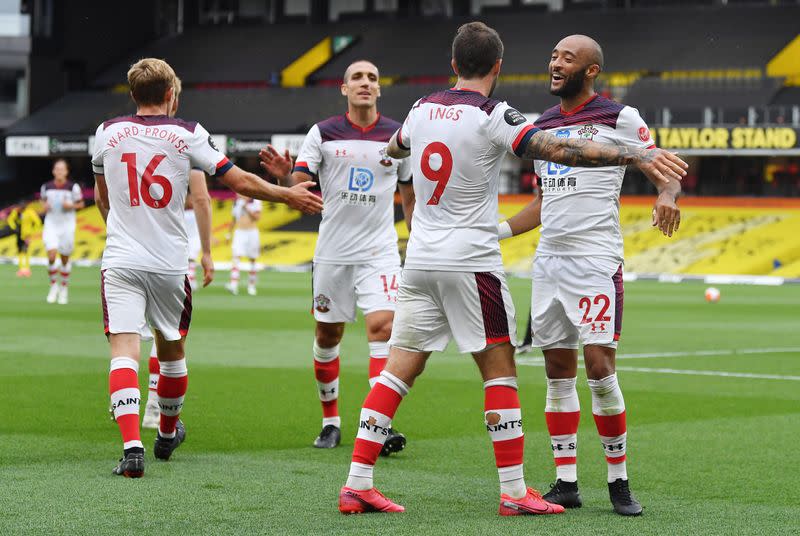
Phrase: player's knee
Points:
(599, 369)
(329, 335)
(380, 332)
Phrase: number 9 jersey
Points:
(146, 161)
(458, 139)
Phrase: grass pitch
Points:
(712, 430)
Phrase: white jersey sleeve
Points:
(77, 193)
(97, 153)
(404, 171)
(508, 129)
(204, 154)
(632, 131)
(310, 157)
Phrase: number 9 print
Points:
(437, 153)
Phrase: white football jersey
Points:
(146, 162)
(55, 196)
(254, 205)
(358, 181)
(580, 206)
(458, 140)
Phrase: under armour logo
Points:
(323, 391)
(341, 152)
(602, 327)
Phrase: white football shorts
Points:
(132, 299)
(339, 288)
(246, 243)
(576, 300)
(62, 239)
(472, 308)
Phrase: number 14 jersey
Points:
(458, 140)
(146, 162)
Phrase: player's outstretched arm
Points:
(657, 164)
(394, 150)
(101, 195)
(250, 185)
(201, 202)
(527, 219)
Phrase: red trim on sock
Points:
(152, 365)
(562, 423)
(330, 408)
(169, 387)
(566, 461)
(383, 400)
(326, 371)
(376, 365)
(500, 397)
(509, 452)
(366, 452)
(615, 461)
(611, 425)
(129, 427)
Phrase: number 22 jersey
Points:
(146, 162)
(458, 139)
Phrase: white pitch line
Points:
(531, 362)
(539, 361)
(710, 373)
(694, 353)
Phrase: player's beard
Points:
(572, 85)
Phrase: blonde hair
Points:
(150, 79)
(178, 87)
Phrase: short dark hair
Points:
(476, 48)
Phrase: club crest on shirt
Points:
(322, 303)
(587, 132)
(385, 161)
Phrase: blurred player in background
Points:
(61, 198)
(246, 242)
(577, 272)
(453, 284)
(356, 261)
(25, 222)
(141, 165)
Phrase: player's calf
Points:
(125, 400)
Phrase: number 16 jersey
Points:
(458, 139)
(146, 162)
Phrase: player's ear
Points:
(593, 71)
(344, 88)
(497, 65)
(453, 65)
